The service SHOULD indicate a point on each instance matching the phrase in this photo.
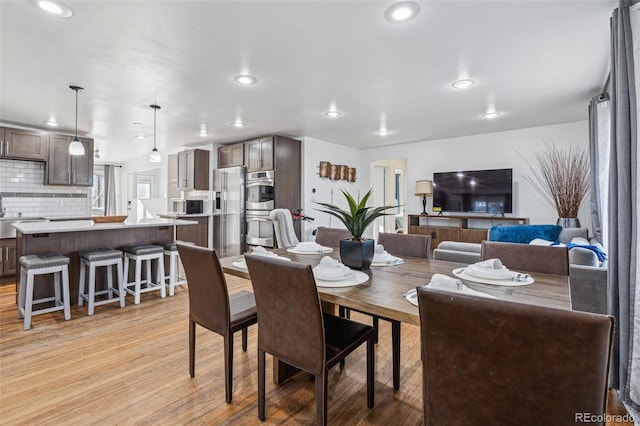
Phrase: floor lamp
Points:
(424, 188)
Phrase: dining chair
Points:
(588, 289)
(330, 237)
(294, 329)
(283, 228)
(488, 361)
(527, 257)
(211, 306)
(397, 245)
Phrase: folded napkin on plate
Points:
(446, 283)
(309, 246)
(331, 268)
(261, 251)
(489, 264)
(380, 254)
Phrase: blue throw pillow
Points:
(523, 234)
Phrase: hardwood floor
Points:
(130, 366)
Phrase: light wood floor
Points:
(130, 366)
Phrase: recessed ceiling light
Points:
(137, 124)
(491, 114)
(333, 113)
(245, 79)
(238, 123)
(204, 134)
(383, 132)
(463, 84)
(55, 8)
(52, 123)
(140, 136)
(402, 11)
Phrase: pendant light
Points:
(155, 157)
(76, 147)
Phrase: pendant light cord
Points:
(155, 112)
(76, 113)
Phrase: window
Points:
(97, 191)
(145, 186)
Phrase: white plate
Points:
(492, 274)
(320, 276)
(240, 263)
(358, 277)
(412, 295)
(389, 262)
(462, 273)
(323, 251)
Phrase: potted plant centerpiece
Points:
(357, 252)
(562, 178)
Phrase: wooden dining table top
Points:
(383, 294)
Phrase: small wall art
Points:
(336, 171)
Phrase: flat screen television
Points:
(475, 191)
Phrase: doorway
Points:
(389, 183)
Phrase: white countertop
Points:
(88, 225)
(174, 215)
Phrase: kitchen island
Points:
(70, 237)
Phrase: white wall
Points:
(314, 151)
(489, 151)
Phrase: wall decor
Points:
(344, 170)
(336, 171)
(325, 167)
(351, 174)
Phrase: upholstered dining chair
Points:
(397, 245)
(330, 237)
(211, 307)
(283, 228)
(527, 257)
(587, 288)
(294, 329)
(488, 361)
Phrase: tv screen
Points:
(476, 191)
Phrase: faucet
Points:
(3, 210)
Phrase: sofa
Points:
(587, 272)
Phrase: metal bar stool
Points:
(144, 253)
(174, 277)
(94, 258)
(39, 264)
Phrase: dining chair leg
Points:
(192, 348)
(261, 378)
(370, 372)
(321, 398)
(228, 365)
(244, 339)
(395, 343)
(376, 325)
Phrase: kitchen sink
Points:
(8, 231)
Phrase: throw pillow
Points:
(523, 234)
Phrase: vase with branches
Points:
(562, 177)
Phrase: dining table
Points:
(384, 293)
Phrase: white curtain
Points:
(110, 190)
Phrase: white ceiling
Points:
(537, 62)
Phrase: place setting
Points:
(309, 247)
(383, 258)
(493, 272)
(445, 283)
(331, 273)
(259, 251)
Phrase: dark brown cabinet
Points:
(193, 170)
(8, 255)
(65, 169)
(23, 144)
(197, 234)
(231, 155)
(258, 154)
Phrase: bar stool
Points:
(174, 276)
(94, 258)
(144, 253)
(39, 264)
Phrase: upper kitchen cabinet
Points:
(65, 169)
(231, 155)
(258, 154)
(193, 170)
(23, 144)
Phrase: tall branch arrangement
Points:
(562, 178)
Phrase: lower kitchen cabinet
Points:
(197, 234)
(8, 254)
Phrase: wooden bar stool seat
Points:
(39, 264)
(94, 258)
(175, 277)
(141, 254)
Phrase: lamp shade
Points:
(424, 187)
(76, 147)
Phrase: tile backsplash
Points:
(23, 191)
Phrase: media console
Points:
(471, 228)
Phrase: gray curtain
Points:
(623, 210)
(599, 131)
(109, 191)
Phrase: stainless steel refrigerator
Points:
(229, 219)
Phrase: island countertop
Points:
(28, 228)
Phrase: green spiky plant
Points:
(358, 217)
